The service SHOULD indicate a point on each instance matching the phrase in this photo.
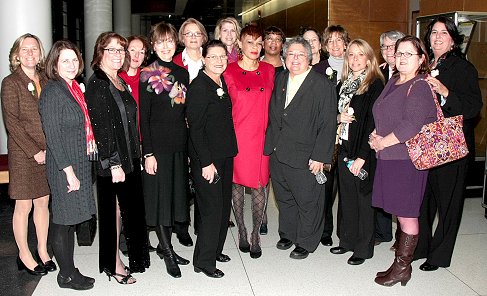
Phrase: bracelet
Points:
(118, 166)
(148, 155)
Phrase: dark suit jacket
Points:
(111, 125)
(464, 97)
(211, 131)
(306, 128)
(385, 72)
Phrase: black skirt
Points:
(167, 192)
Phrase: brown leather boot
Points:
(400, 270)
(396, 236)
(393, 248)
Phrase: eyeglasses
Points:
(168, 41)
(299, 55)
(214, 58)
(193, 34)
(276, 40)
(338, 40)
(115, 50)
(388, 47)
(404, 54)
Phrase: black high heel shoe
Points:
(38, 270)
(123, 280)
(48, 265)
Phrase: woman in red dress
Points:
(250, 83)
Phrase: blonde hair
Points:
(14, 52)
(197, 23)
(372, 71)
(230, 20)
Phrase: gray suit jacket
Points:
(306, 128)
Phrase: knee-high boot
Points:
(400, 270)
(396, 236)
(164, 250)
(393, 248)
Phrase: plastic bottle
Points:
(362, 175)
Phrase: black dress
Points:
(113, 115)
(164, 133)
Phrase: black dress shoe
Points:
(38, 270)
(255, 253)
(75, 282)
(185, 239)
(213, 274)
(338, 250)
(48, 265)
(263, 229)
(230, 223)
(428, 267)
(180, 260)
(355, 260)
(299, 253)
(222, 258)
(326, 241)
(284, 244)
(87, 278)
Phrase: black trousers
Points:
(214, 205)
(357, 219)
(383, 226)
(443, 195)
(301, 203)
(330, 195)
(131, 202)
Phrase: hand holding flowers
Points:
(346, 117)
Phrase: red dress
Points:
(250, 92)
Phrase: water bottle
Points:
(362, 175)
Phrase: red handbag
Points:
(438, 142)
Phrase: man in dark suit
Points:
(383, 220)
(300, 140)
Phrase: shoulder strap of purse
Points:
(439, 112)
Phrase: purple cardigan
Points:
(404, 115)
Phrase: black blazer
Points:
(359, 131)
(111, 125)
(385, 72)
(306, 128)
(211, 131)
(464, 97)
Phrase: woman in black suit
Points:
(455, 81)
(113, 114)
(361, 84)
(71, 146)
(212, 147)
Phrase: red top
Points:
(133, 82)
(250, 92)
(178, 60)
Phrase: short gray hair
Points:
(393, 35)
(298, 40)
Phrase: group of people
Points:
(317, 113)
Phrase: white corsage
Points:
(435, 73)
(130, 89)
(350, 112)
(220, 92)
(31, 88)
(82, 87)
(329, 73)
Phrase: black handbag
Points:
(86, 231)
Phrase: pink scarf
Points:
(91, 149)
